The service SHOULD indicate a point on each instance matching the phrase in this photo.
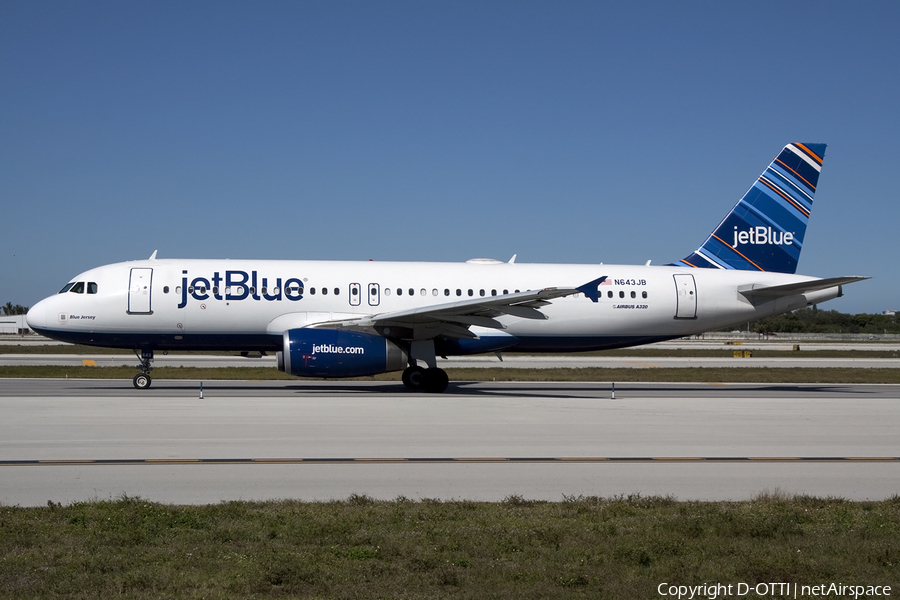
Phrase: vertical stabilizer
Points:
(765, 229)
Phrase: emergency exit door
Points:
(374, 294)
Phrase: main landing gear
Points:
(432, 380)
(142, 380)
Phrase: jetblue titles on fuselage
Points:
(239, 285)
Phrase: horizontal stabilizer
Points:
(793, 289)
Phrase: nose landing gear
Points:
(142, 380)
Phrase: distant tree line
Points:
(14, 309)
(812, 320)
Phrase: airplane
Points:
(333, 319)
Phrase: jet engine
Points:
(337, 353)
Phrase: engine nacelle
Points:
(337, 353)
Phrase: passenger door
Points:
(686, 289)
(139, 286)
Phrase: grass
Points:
(686, 375)
(363, 548)
(585, 374)
(160, 373)
(37, 348)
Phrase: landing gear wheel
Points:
(141, 381)
(434, 381)
(412, 377)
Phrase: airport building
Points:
(14, 325)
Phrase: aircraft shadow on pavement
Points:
(599, 390)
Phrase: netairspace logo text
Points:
(712, 591)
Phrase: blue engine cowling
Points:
(337, 353)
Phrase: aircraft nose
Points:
(37, 316)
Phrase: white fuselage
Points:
(248, 304)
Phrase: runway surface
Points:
(483, 441)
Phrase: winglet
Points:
(590, 288)
(153, 256)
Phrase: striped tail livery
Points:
(765, 229)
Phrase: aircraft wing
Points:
(453, 319)
(792, 289)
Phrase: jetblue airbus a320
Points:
(345, 319)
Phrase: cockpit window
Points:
(78, 288)
(92, 287)
(67, 287)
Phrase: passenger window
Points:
(354, 292)
(412, 292)
(634, 294)
(92, 287)
(66, 288)
(263, 290)
(434, 292)
(422, 292)
(621, 294)
(493, 292)
(505, 292)
(337, 291)
(165, 289)
(446, 292)
(324, 291)
(78, 288)
(644, 295)
(481, 292)
(609, 294)
(387, 291)
(252, 291)
(216, 290)
(312, 291)
(399, 291)
(458, 292)
(471, 293)
(190, 289)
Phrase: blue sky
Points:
(559, 131)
